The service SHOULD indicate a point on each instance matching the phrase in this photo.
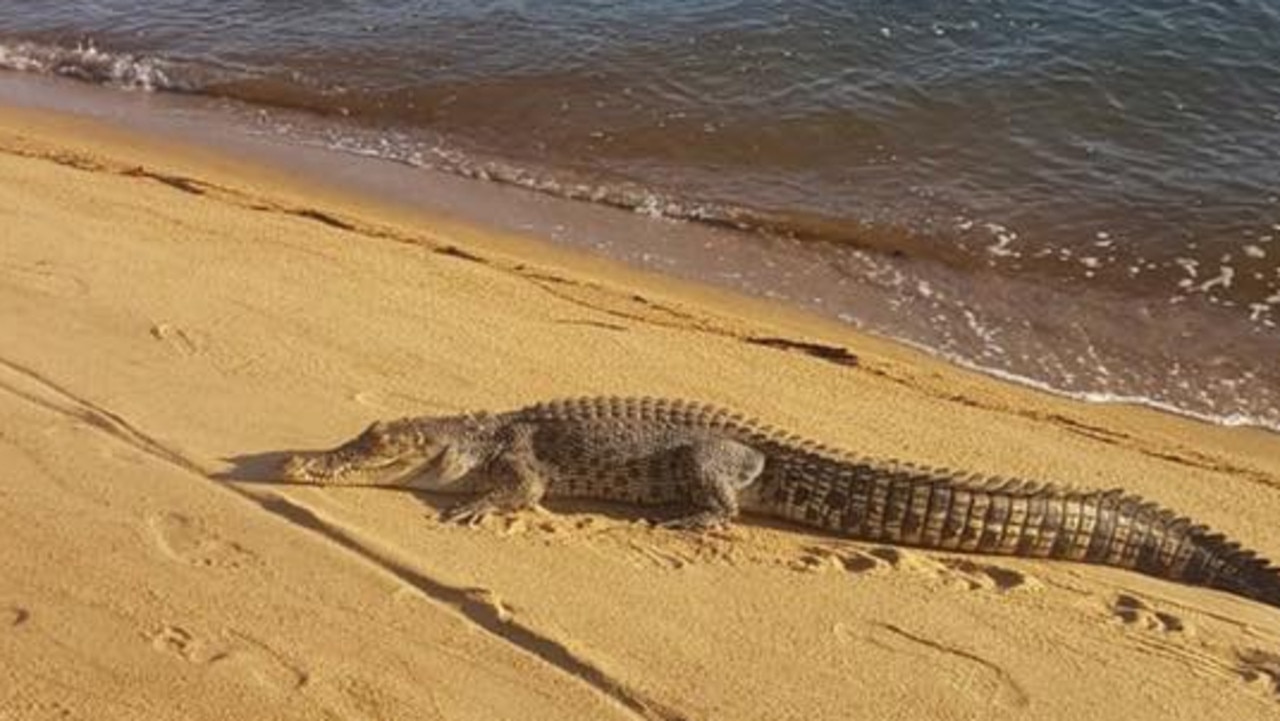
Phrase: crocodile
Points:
(712, 464)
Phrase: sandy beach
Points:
(171, 320)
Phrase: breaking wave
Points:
(86, 62)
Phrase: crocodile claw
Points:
(702, 521)
(469, 514)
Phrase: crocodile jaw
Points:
(340, 466)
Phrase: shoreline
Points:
(168, 314)
(1125, 352)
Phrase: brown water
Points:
(1082, 195)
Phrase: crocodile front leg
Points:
(515, 483)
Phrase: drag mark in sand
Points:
(35, 388)
(972, 674)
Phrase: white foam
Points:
(86, 62)
(1225, 419)
(1004, 239)
(1226, 274)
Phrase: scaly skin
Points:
(715, 464)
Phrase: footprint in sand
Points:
(1260, 670)
(181, 643)
(989, 577)
(13, 616)
(183, 342)
(187, 539)
(1133, 611)
(962, 573)
(264, 665)
(1168, 636)
(235, 653)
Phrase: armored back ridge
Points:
(714, 464)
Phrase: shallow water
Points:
(1079, 194)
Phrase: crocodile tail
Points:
(1115, 529)
(1179, 549)
(941, 510)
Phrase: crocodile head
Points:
(386, 452)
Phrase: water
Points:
(1084, 195)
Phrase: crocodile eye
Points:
(376, 434)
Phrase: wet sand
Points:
(172, 320)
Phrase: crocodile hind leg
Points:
(720, 469)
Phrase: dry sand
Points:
(168, 317)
